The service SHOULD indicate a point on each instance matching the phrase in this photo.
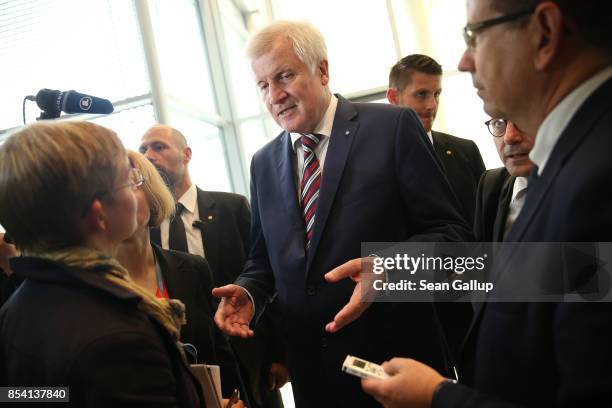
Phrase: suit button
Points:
(324, 342)
(310, 290)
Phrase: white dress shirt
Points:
(190, 214)
(555, 123)
(324, 128)
(519, 191)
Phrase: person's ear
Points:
(95, 217)
(392, 96)
(324, 72)
(547, 32)
(187, 154)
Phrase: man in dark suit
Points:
(547, 66)
(415, 81)
(215, 225)
(501, 192)
(339, 174)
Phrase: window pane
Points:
(466, 117)
(129, 124)
(246, 96)
(448, 43)
(182, 55)
(208, 166)
(91, 46)
(358, 36)
(254, 136)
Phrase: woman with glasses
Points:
(177, 275)
(78, 320)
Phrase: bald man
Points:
(215, 225)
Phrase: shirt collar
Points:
(555, 123)
(520, 183)
(325, 125)
(190, 198)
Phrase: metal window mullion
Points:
(393, 26)
(219, 70)
(143, 15)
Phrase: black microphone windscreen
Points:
(75, 102)
(49, 100)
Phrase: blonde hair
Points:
(160, 199)
(49, 173)
(308, 43)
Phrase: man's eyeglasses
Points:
(470, 30)
(497, 126)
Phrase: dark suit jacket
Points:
(189, 279)
(225, 232)
(463, 166)
(380, 183)
(492, 203)
(60, 330)
(552, 354)
(8, 285)
(225, 236)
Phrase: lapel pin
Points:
(210, 218)
(347, 132)
(448, 152)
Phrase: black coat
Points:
(225, 235)
(463, 166)
(551, 354)
(492, 203)
(61, 330)
(189, 279)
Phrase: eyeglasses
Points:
(470, 30)
(136, 180)
(497, 126)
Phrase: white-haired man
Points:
(338, 175)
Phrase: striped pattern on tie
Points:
(311, 181)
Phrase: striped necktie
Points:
(311, 181)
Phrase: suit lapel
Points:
(286, 173)
(503, 209)
(155, 234)
(572, 136)
(211, 228)
(440, 148)
(286, 185)
(342, 136)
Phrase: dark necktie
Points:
(311, 181)
(177, 235)
(533, 176)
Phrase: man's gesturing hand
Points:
(235, 311)
(356, 305)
